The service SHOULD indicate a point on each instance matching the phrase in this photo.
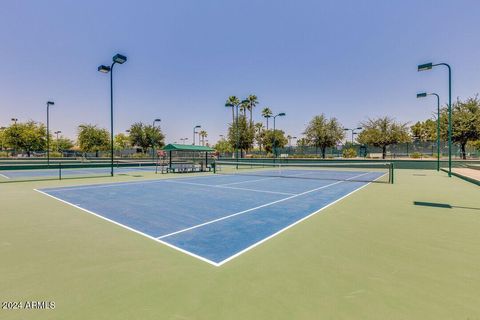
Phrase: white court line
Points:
(2, 175)
(293, 224)
(246, 181)
(185, 251)
(252, 209)
(125, 183)
(269, 178)
(131, 229)
(226, 187)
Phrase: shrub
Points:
(349, 153)
(56, 154)
(416, 155)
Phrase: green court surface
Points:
(410, 250)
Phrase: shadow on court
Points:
(441, 205)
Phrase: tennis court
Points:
(218, 217)
(67, 170)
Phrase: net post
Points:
(59, 171)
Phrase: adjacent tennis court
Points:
(218, 217)
(72, 170)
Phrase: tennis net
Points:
(364, 172)
(137, 165)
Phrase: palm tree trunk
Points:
(267, 123)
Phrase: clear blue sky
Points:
(347, 59)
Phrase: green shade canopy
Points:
(186, 147)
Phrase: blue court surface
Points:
(69, 172)
(216, 217)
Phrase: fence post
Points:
(392, 174)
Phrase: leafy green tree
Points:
(465, 123)
(323, 133)
(273, 140)
(3, 142)
(382, 132)
(267, 114)
(245, 134)
(29, 136)
(223, 146)
(302, 142)
(474, 144)
(62, 144)
(91, 138)
(121, 142)
(146, 136)
(425, 130)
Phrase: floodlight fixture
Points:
(120, 59)
(425, 66)
(104, 69)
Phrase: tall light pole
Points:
(120, 59)
(153, 142)
(353, 131)
(183, 139)
(281, 114)
(194, 131)
(429, 66)
(424, 95)
(14, 120)
(56, 133)
(49, 103)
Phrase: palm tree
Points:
(252, 103)
(258, 134)
(203, 134)
(267, 113)
(243, 108)
(232, 101)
